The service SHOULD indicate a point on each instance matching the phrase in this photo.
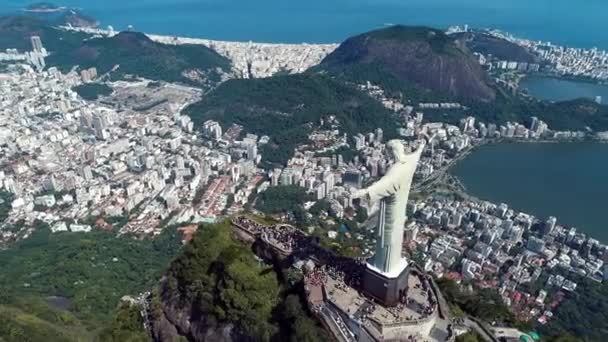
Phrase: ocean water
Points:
(554, 89)
(568, 181)
(577, 23)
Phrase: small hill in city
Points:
(420, 56)
(15, 33)
(133, 53)
(286, 107)
(127, 53)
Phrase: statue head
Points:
(397, 148)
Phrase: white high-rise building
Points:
(36, 44)
(212, 129)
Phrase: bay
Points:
(555, 89)
(566, 180)
(581, 24)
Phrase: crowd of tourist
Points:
(285, 237)
(346, 272)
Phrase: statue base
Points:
(386, 288)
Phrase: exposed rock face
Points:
(183, 320)
(419, 55)
(173, 318)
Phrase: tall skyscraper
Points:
(36, 44)
(379, 135)
(549, 225)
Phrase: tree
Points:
(282, 199)
(320, 207)
(361, 214)
(127, 325)
(583, 314)
(298, 325)
(485, 304)
(226, 281)
(469, 337)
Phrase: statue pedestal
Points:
(386, 288)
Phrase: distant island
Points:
(44, 7)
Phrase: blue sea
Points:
(579, 23)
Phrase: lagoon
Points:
(566, 180)
(555, 89)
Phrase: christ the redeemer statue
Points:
(392, 191)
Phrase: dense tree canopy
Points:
(282, 199)
(484, 304)
(6, 199)
(91, 270)
(92, 91)
(128, 53)
(583, 314)
(284, 107)
(226, 281)
(127, 325)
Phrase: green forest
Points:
(282, 199)
(286, 107)
(584, 313)
(129, 53)
(87, 273)
(224, 283)
(133, 53)
(92, 91)
(484, 304)
(6, 199)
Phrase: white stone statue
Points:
(392, 190)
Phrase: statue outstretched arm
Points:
(385, 186)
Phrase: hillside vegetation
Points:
(578, 114)
(92, 91)
(15, 33)
(68, 284)
(583, 314)
(133, 53)
(285, 107)
(217, 290)
(127, 53)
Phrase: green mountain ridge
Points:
(15, 33)
(132, 53)
(421, 56)
(284, 107)
(136, 54)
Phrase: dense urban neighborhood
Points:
(81, 152)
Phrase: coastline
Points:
(249, 59)
(45, 10)
(181, 40)
(460, 189)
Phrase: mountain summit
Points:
(422, 56)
